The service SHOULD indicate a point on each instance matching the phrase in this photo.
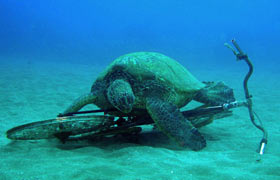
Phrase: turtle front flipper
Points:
(171, 121)
(79, 103)
(120, 95)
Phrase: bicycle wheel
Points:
(60, 127)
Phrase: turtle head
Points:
(120, 95)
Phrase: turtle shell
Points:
(155, 66)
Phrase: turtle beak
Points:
(125, 104)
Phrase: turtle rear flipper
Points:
(171, 121)
(215, 93)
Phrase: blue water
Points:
(51, 51)
(98, 31)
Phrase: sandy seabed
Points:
(34, 91)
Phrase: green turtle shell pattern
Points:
(156, 66)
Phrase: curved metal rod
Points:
(242, 56)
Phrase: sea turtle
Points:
(159, 85)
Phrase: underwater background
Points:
(52, 51)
